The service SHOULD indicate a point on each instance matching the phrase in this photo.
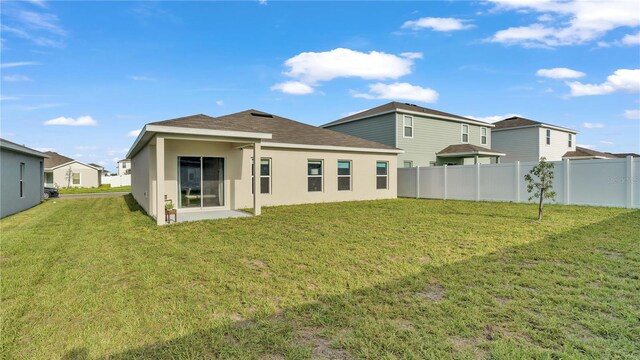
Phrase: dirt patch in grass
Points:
(502, 300)
(614, 255)
(403, 324)
(469, 345)
(254, 264)
(321, 347)
(433, 292)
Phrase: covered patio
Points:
(467, 154)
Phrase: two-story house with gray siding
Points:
(529, 140)
(428, 137)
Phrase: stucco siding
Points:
(518, 144)
(378, 128)
(11, 202)
(140, 176)
(431, 135)
(89, 177)
(559, 144)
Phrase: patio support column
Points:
(256, 179)
(475, 159)
(160, 180)
(497, 159)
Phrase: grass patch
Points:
(99, 189)
(96, 278)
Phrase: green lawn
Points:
(96, 278)
(100, 189)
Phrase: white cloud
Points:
(262, 2)
(134, 133)
(40, 27)
(586, 146)
(437, 24)
(17, 64)
(293, 87)
(621, 80)
(15, 78)
(588, 125)
(411, 55)
(67, 121)
(142, 78)
(607, 143)
(219, 102)
(632, 114)
(399, 91)
(560, 73)
(3, 98)
(577, 22)
(45, 149)
(631, 40)
(349, 113)
(492, 118)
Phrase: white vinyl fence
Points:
(117, 180)
(607, 182)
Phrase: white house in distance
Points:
(124, 167)
(204, 165)
(57, 168)
(21, 177)
(528, 140)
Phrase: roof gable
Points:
(55, 160)
(519, 122)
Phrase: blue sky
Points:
(81, 77)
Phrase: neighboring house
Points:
(124, 167)
(624, 155)
(21, 177)
(581, 153)
(205, 164)
(58, 168)
(428, 137)
(529, 140)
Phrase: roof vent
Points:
(262, 115)
(410, 104)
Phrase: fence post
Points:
(417, 182)
(517, 182)
(567, 182)
(477, 182)
(629, 180)
(444, 176)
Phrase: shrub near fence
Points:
(606, 182)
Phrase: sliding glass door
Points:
(201, 181)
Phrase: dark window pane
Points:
(344, 183)
(381, 182)
(465, 137)
(264, 167)
(314, 168)
(381, 168)
(264, 185)
(315, 184)
(408, 132)
(344, 168)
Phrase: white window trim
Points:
(547, 136)
(385, 176)
(570, 143)
(22, 170)
(344, 176)
(79, 178)
(462, 133)
(321, 176)
(404, 126)
(407, 161)
(484, 136)
(262, 176)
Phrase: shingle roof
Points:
(9, 145)
(465, 149)
(584, 152)
(282, 130)
(517, 121)
(55, 160)
(398, 106)
(624, 155)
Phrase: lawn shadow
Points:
(132, 204)
(486, 306)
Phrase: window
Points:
(465, 133)
(21, 179)
(75, 178)
(382, 174)
(483, 136)
(570, 140)
(265, 176)
(408, 126)
(314, 175)
(407, 163)
(124, 165)
(344, 175)
(548, 137)
(201, 181)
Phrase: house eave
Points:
(267, 144)
(417, 113)
(553, 127)
(471, 154)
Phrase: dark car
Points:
(50, 192)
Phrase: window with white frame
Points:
(483, 136)
(265, 176)
(75, 178)
(382, 174)
(407, 163)
(314, 175)
(570, 140)
(344, 175)
(22, 179)
(465, 133)
(548, 137)
(408, 126)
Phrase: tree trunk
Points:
(540, 204)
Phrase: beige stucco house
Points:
(204, 165)
(60, 171)
(529, 140)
